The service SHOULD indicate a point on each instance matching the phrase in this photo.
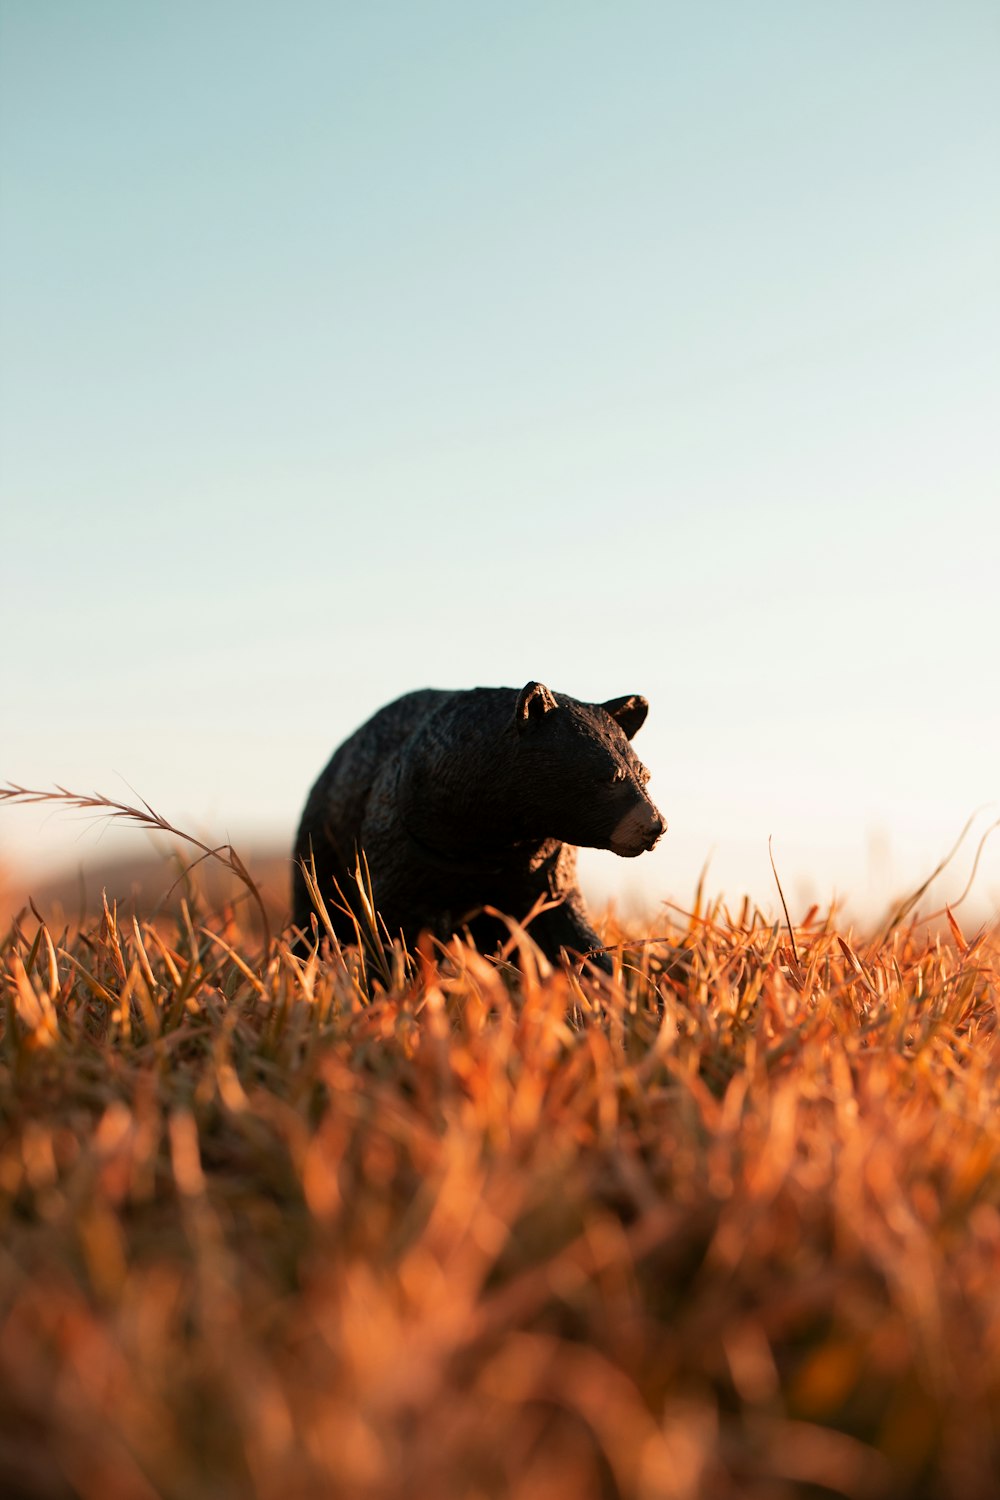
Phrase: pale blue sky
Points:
(346, 349)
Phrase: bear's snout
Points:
(637, 831)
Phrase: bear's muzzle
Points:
(637, 831)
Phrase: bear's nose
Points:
(637, 831)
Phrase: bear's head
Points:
(578, 774)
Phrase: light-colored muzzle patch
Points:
(638, 830)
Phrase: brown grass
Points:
(277, 1229)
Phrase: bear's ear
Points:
(630, 713)
(534, 701)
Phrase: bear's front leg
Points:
(566, 926)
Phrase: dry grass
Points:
(279, 1229)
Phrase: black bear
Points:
(462, 800)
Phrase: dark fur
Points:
(462, 800)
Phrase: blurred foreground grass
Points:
(278, 1228)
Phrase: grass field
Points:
(726, 1225)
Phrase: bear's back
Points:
(330, 830)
